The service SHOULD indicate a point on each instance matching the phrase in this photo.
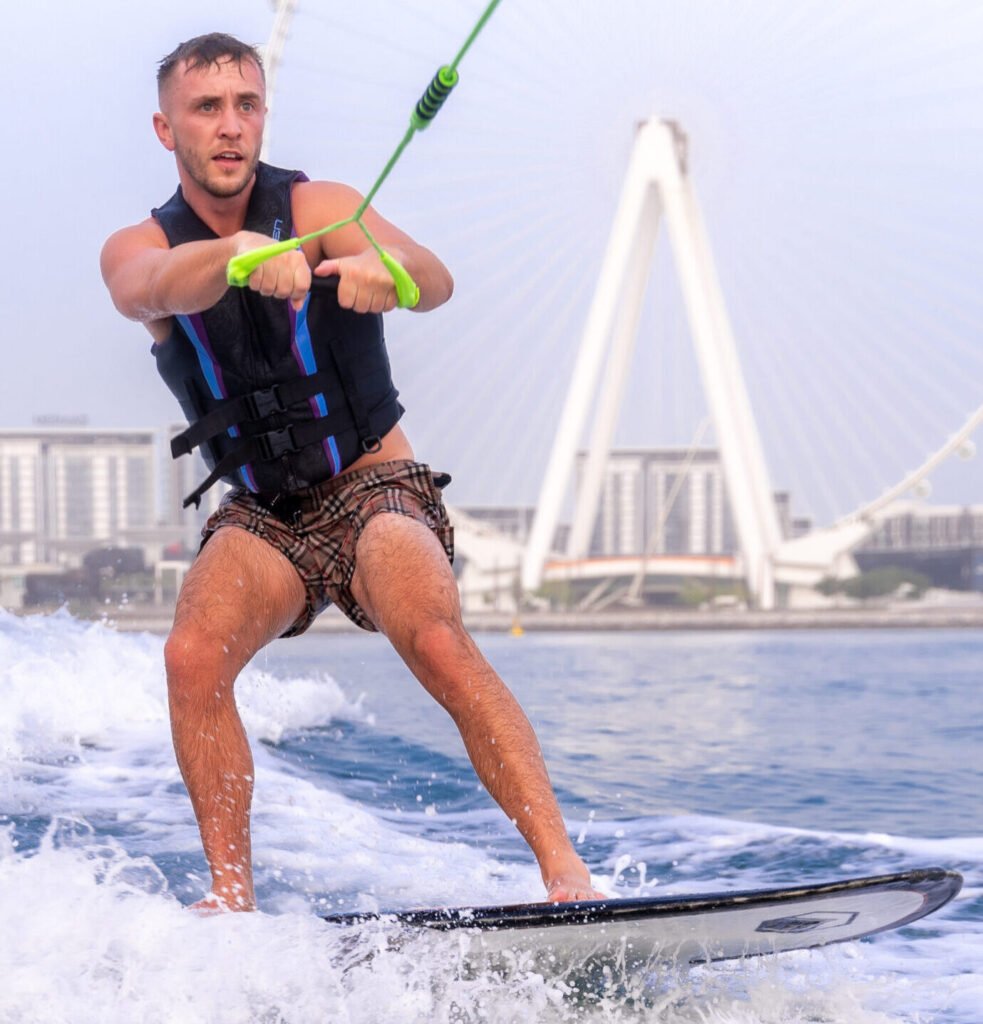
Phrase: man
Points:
(319, 454)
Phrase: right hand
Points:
(287, 276)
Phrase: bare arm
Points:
(149, 281)
(365, 285)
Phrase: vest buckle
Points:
(277, 442)
(266, 402)
(371, 445)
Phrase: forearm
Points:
(189, 278)
(431, 276)
(318, 203)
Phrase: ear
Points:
(162, 127)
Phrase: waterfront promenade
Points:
(964, 613)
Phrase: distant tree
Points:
(881, 582)
(693, 593)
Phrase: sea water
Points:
(685, 763)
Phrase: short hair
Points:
(205, 51)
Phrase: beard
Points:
(210, 178)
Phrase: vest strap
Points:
(255, 406)
(369, 440)
(291, 438)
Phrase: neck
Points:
(225, 215)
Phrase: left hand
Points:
(365, 285)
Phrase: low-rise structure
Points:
(942, 542)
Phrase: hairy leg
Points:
(239, 594)
(404, 583)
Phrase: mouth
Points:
(228, 158)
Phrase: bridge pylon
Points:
(657, 187)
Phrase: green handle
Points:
(240, 267)
(407, 292)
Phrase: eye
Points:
(207, 106)
(248, 106)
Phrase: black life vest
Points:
(278, 400)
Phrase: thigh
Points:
(403, 575)
(241, 591)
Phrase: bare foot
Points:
(212, 904)
(571, 883)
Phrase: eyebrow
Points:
(250, 95)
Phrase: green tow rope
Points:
(407, 293)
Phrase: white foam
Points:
(92, 931)
(86, 727)
(67, 684)
(94, 938)
(98, 939)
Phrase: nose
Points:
(230, 127)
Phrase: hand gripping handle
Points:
(240, 268)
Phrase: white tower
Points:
(656, 185)
(272, 53)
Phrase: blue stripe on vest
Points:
(305, 350)
(208, 368)
(205, 360)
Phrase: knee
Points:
(443, 656)
(437, 642)
(196, 663)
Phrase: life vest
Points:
(277, 400)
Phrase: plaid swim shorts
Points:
(317, 528)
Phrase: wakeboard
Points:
(641, 931)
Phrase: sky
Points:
(836, 150)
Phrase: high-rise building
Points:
(668, 501)
(66, 490)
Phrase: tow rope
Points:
(407, 293)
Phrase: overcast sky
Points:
(836, 149)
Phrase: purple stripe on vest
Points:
(305, 360)
(198, 322)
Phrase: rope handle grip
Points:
(433, 99)
(241, 267)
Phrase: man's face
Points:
(212, 120)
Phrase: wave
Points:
(98, 851)
(68, 685)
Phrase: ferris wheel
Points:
(843, 215)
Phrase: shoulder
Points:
(317, 203)
(128, 241)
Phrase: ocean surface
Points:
(684, 762)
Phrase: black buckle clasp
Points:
(278, 442)
(371, 445)
(266, 402)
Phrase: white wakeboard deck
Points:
(682, 929)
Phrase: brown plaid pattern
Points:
(317, 529)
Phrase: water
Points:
(685, 763)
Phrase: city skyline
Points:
(78, 505)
